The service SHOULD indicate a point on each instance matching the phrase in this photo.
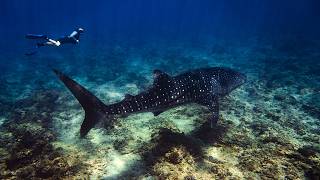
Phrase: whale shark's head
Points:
(230, 80)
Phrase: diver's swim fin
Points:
(37, 36)
(93, 107)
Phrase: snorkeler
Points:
(73, 38)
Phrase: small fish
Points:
(203, 86)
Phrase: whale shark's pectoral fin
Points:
(214, 108)
(213, 105)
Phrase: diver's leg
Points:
(53, 42)
(50, 42)
(37, 36)
(40, 44)
(44, 44)
(34, 50)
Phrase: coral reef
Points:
(27, 151)
(268, 129)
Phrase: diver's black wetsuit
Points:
(73, 38)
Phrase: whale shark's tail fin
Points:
(93, 107)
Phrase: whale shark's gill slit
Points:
(93, 107)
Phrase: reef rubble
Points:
(27, 151)
(268, 128)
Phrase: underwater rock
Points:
(33, 156)
(122, 143)
(310, 166)
(273, 116)
(27, 140)
(313, 138)
(271, 137)
(309, 150)
(171, 154)
(274, 81)
(287, 99)
(313, 173)
(38, 108)
(271, 124)
(220, 171)
(267, 163)
(257, 109)
(259, 127)
(214, 160)
(189, 177)
(165, 140)
(178, 163)
(175, 156)
(279, 97)
(314, 111)
(253, 92)
(211, 135)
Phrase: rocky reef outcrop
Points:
(26, 139)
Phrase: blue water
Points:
(143, 19)
(275, 114)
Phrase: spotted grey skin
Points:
(203, 86)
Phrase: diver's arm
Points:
(73, 34)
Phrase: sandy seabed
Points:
(268, 128)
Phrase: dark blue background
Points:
(162, 19)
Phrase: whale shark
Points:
(204, 86)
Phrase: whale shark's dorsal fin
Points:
(128, 96)
(160, 77)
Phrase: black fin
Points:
(93, 107)
(37, 36)
(128, 96)
(157, 73)
(156, 113)
(160, 77)
(213, 105)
